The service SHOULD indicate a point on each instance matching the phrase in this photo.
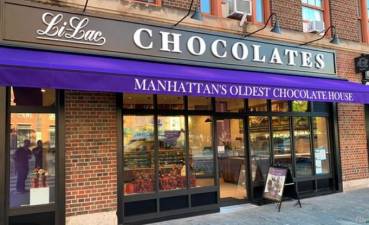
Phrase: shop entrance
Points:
(231, 160)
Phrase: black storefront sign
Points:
(75, 32)
(362, 63)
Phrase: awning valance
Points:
(34, 68)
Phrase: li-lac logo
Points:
(72, 30)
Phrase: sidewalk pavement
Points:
(349, 208)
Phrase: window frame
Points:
(266, 12)
(155, 3)
(364, 20)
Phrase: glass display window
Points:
(321, 145)
(279, 106)
(170, 102)
(37, 97)
(199, 103)
(138, 101)
(259, 133)
(300, 106)
(302, 137)
(229, 105)
(172, 153)
(201, 152)
(257, 105)
(139, 161)
(231, 159)
(281, 141)
(32, 159)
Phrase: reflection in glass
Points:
(231, 158)
(281, 141)
(259, 11)
(229, 104)
(259, 147)
(279, 106)
(205, 6)
(21, 96)
(170, 102)
(138, 101)
(201, 152)
(172, 166)
(257, 105)
(199, 103)
(301, 134)
(32, 163)
(139, 166)
(321, 147)
(300, 106)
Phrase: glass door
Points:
(231, 160)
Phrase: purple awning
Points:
(34, 68)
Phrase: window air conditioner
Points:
(315, 27)
(236, 9)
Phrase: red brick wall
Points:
(351, 123)
(183, 4)
(345, 17)
(289, 13)
(90, 152)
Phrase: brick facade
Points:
(351, 123)
(344, 15)
(289, 13)
(90, 153)
(182, 4)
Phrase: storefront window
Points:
(257, 105)
(32, 97)
(281, 141)
(321, 146)
(259, 147)
(172, 164)
(139, 164)
(138, 101)
(312, 11)
(300, 106)
(32, 159)
(229, 105)
(201, 152)
(170, 102)
(199, 103)
(231, 158)
(279, 106)
(301, 134)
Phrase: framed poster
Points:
(275, 183)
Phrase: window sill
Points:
(157, 3)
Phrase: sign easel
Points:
(280, 184)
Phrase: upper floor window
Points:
(232, 9)
(313, 15)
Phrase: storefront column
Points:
(2, 154)
(60, 166)
(366, 108)
(336, 147)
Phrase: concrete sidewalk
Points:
(348, 208)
